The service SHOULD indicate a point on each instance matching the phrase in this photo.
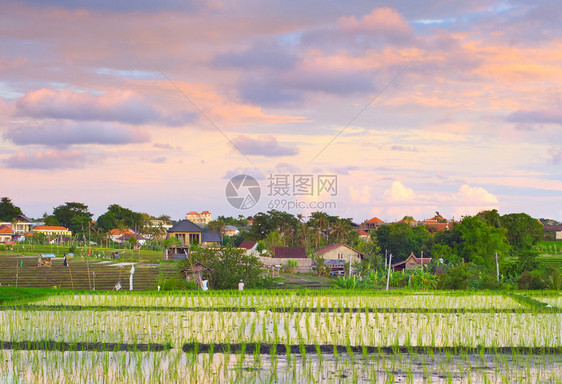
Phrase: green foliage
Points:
(227, 266)
(171, 242)
(74, 216)
(51, 220)
(455, 278)
(481, 241)
(291, 266)
(445, 252)
(528, 260)
(8, 211)
(400, 240)
(523, 232)
(176, 283)
(532, 280)
(119, 217)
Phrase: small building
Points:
(141, 240)
(372, 224)
(202, 219)
(52, 230)
(363, 235)
(116, 233)
(411, 262)
(555, 230)
(249, 247)
(230, 230)
(6, 233)
(436, 224)
(210, 238)
(186, 231)
(282, 255)
(340, 252)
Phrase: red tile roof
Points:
(374, 220)
(205, 213)
(193, 213)
(289, 253)
(49, 228)
(363, 233)
(121, 232)
(6, 229)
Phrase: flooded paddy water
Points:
(477, 338)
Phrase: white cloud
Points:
(399, 192)
(360, 195)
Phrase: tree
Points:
(227, 266)
(8, 211)
(523, 232)
(400, 240)
(481, 241)
(74, 216)
(119, 217)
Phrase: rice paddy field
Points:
(323, 336)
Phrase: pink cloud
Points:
(46, 160)
(381, 20)
(114, 105)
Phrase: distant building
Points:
(6, 233)
(282, 255)
(201, 219)
(371, 224)
(116, 234)
(20, 225)
(340, 252)
(436, 224)
(230, 230)
(51, 230)
(555, 230)
(249, 247)
(188, 233)
(410, 263)
(363, 235)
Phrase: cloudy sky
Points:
(155, 105)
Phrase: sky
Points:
(413, 107)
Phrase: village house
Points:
(282, 255)
(20, 225)
(335, 255)
(6, 233)
(554, 230)
(363, 235)
(201, 219)
(230, 230)
(436, 224)
(250, 248)
(116, 234)
(188, 233)
(371, 224)
(411, 262)
(52, 230)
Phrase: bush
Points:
(456, 277)
(532, 280)
(291, 266)
(177, 283)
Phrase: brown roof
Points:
(289, 253)
(247, 244)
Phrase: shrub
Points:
(456, 277)
(532, 280)
(291, 266)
